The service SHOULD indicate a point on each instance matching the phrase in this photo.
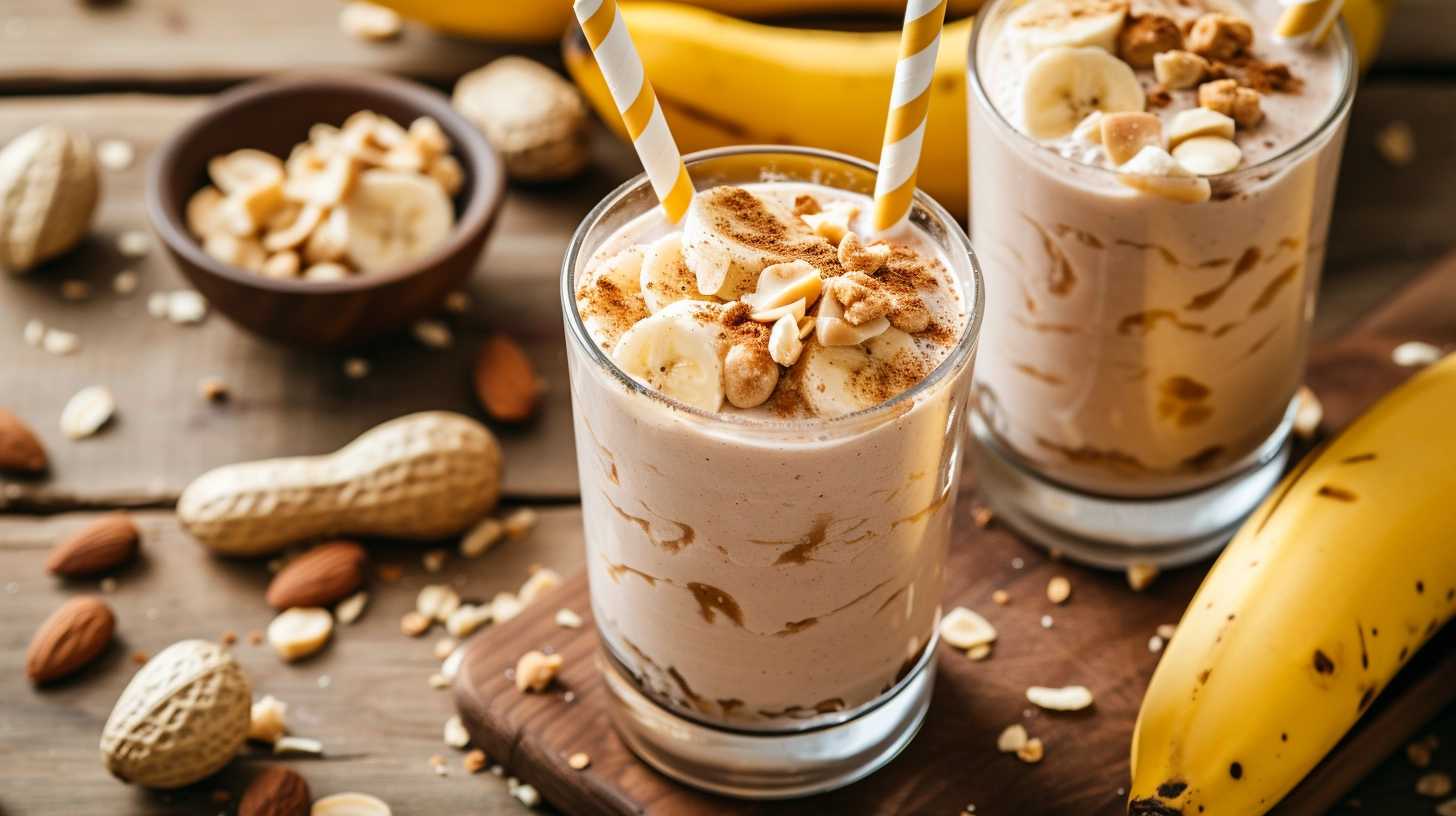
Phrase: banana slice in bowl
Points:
(395, 216)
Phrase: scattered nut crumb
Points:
(139, 658)
(75, 289)
(269, 720)
(157, 304)
(578, 761)
(962, 628)
(1418, 754)
(1155, 644)
(228, 638)
(437, 601)
(349, 609)
(1220, 36)
(1308, 415)
(1414, 353)
(60, 343)
(389, 573)
(1018, 563)
(255, 638)
(134, 243)
(473, 761)
(527, 795)
(1031, 752)
(1013, 739)
(519, 522)
(451, 667)
(1046, 621)
(541, 581)
(1436, 785)
(297, 746)
(481, 537)
(108, 584)
(356, 368)
(982, 516)
(458, 302)
(979, 652)
(535, 670)
(1066, 698)
(1141, 576)
(505, 606)
(432, 334)
(436, 761)
(186, 306)
(1446, 808)
(34, 332)
(115, 154)
(414, 624)
(443, 648)
(1001, 597)
(466, 619)
(1166, 630)
(300, 631)
(1059, 589)
(1396, 144)
(438, 681)
(125, 282)
(367, 21)
(212, 389)
(455, 734)
(568, 619)
(434, 560)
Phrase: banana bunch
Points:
(722, 81)
(1323, 595)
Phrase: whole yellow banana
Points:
(1328, 589)
(722, 81)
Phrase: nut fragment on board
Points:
(60, 343)
(568, 619)
(434, 560)
(536, 670)
(414, 624)
(1395, 142)
(541, 581)
(437, 602)
(87, 411)
(324, 575)
(1012, 739)
(519, 522)
(1059, 589)
(1066, 698)
(528, 112)
(466, 619)
(134, 243)
(455, 734)
(186, 306)
(1436, 785)
(300, 631)
(20, 448)
(980, 651)
(212, 388)
(444, 646)
(369, 21)
(963, 628)
(115, 154)
(1141, 576)
(350, 804)
(1032, 752)
(1415, 353)
(481, 537)
(349, 609)
(268, 720)
(1308, 415)
(473, 761)
(432, 333)
(505, 606)
(578, 761)
(356, 368)
(297, 746)
(48, 194)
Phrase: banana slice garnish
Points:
(394, 217)
(1208, 155)
(718, 232)
(840, 380)
(1063, 86)
(1155, 171)
(665, 277)
(675, 352)
(1046, 24)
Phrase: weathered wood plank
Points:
(285, 402)
(365, 696)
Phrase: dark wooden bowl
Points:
(273, 115)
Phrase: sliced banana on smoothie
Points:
(1042, 25)
(839, 380)
(665, 278)
(722, 238)
(1208, 155)
(1063, 86)
(395, 217)
(1155, 171)
(676, 353)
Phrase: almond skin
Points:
(327, 573)
(102, 545)
(69, 639)
(505, 382)
(20, 450)
(277, 791)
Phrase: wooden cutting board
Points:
(1098, 639)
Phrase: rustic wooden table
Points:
(135, 69)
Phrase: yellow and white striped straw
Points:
(617, 57)
(1307, 22)
(909, 104)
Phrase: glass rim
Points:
(959, 355)
(1305, 145)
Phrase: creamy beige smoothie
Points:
(766, 547)
(1151, 191)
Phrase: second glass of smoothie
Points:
(1151, 192)
(767, 519)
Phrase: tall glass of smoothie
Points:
(769, 408)
(1150, 197)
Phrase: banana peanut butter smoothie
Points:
(1151, 190)
(769, 404)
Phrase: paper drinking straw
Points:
(1307, 22)
(909, 104)
(617, 57)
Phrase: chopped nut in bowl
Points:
(326, 210)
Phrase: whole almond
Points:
(69, 639)
(277, 791)
(20, 450)
(505, 382)
(104, 544)
(327, 573)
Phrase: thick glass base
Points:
(1114, 533)
(757, 765)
